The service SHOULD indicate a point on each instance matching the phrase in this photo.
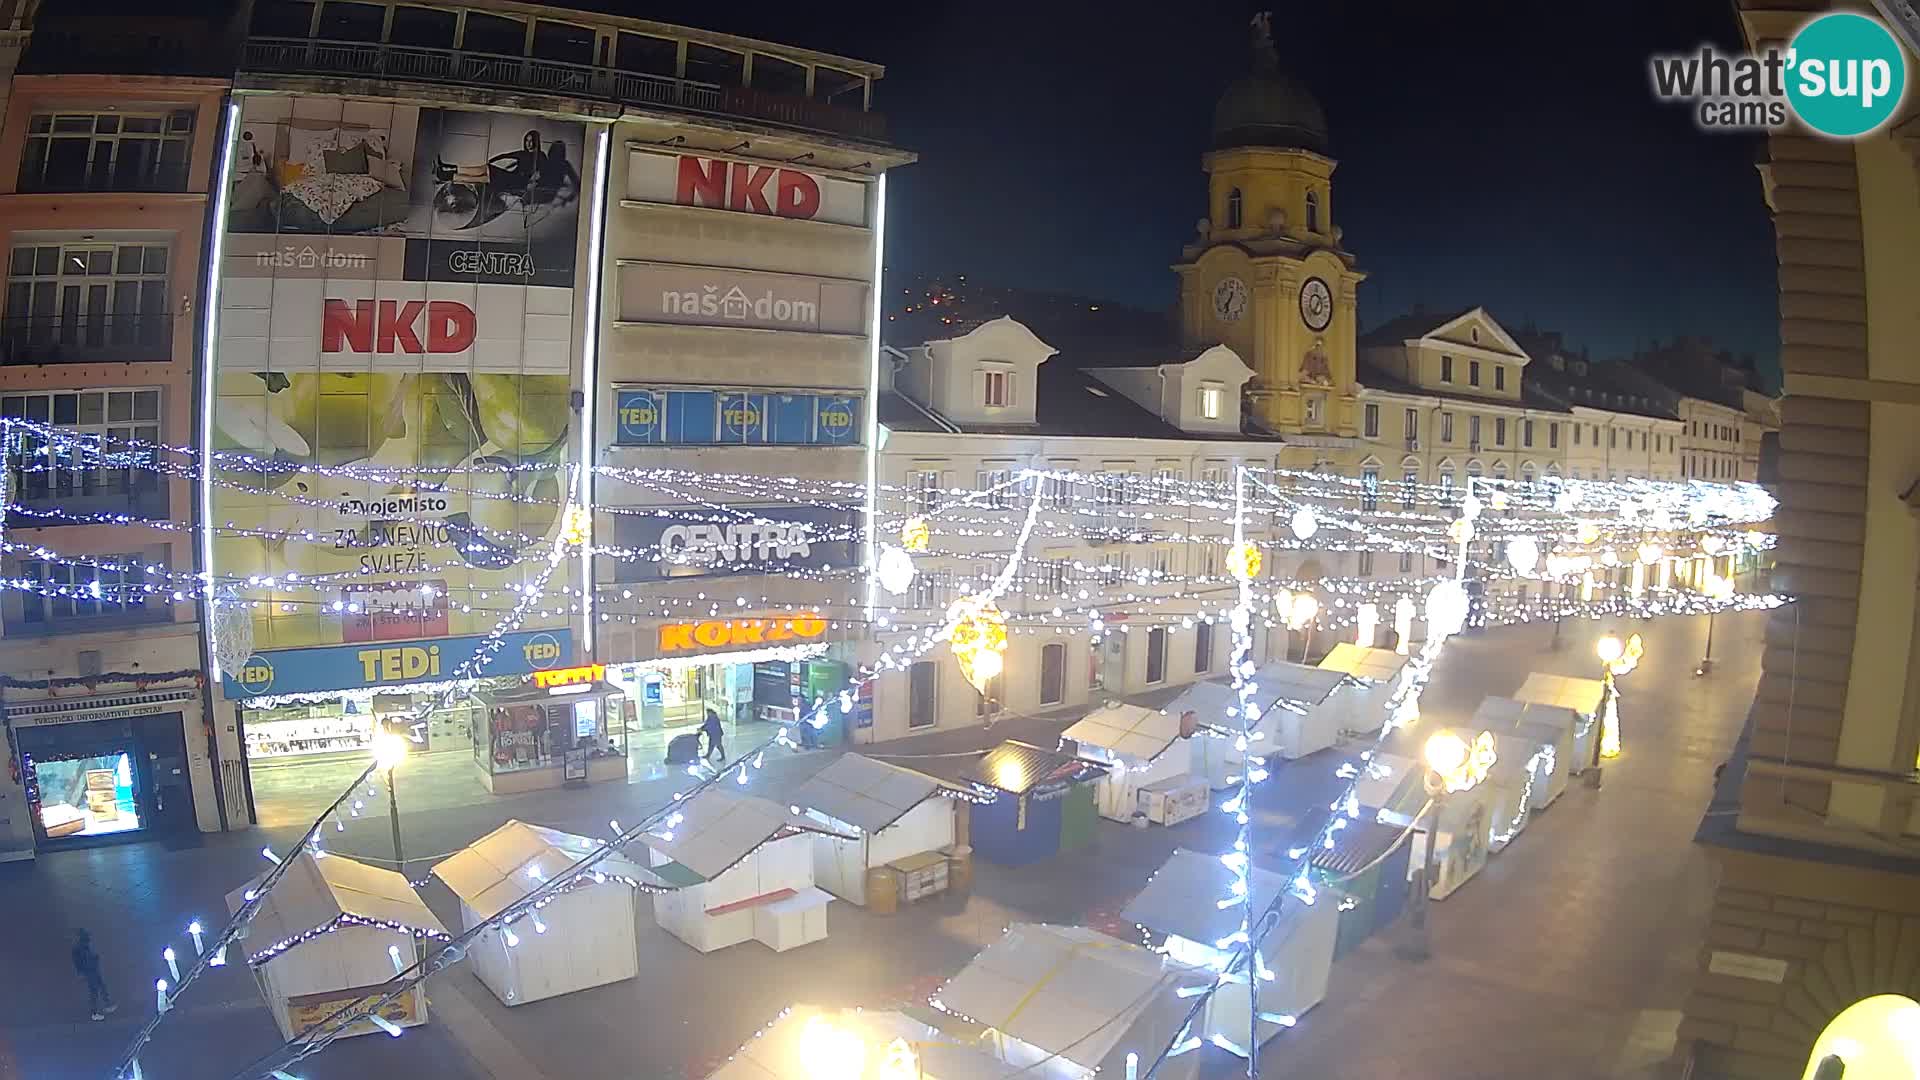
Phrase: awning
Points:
(1581, 695)
(1377, 665)
(1183, 897)
(1129, 731)
(717, 828)
(865, 793)
(1018, 768)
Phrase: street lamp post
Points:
(1452, 764)
(389, 750)
(1706, 662)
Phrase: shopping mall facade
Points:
(475, 247)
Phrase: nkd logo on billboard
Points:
(1843, 75)
(390, 326)
(810, 538)
(712, 296)
(744, 187)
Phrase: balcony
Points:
(86, 339)
(455, 67)
(168, 177)
(67, 494)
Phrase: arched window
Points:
(1313, 211)
(1499, 470)
(1233, 209)
(1473, 470)
(1446, 478)
(1526, 473)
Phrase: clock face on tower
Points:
(1230, 299)
(1316, 304)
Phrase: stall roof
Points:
(1381, 779)
(864, 792)
(321, 890)
(1283, 680)
(502, 867)
(1358, 846)
(1017, 768)
(1132, 731)
(775, 1054)
(718, 828)
(1075, 993)
(1581, 695)
(1501, 712)
(1208, 701)
(1182, 897)
(1380, 665)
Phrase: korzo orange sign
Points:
(733, 633)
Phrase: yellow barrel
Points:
(883, 891)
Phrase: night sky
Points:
(1493, 153)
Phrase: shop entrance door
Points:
(170, 801)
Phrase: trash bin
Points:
(883, 891)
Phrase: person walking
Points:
(86, 963)
(716, 736)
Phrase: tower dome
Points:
(1267, 107)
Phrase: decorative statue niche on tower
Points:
(1314, 368)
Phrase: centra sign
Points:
(737, 633)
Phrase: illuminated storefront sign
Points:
(740, 633)
(354, 667)
(701, 417)
(744, 187)
(771, 539)
(571, 676)
(716, 296)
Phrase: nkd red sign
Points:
(744, 187)
(394, 326)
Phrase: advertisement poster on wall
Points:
(396, 335)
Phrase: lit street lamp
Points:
(389, 750)
(1616, 658)
(1453, 765)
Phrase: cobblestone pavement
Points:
(1569, 956)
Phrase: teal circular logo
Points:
(1846, 74)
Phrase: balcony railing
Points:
(86, 339)
(65, 495)
(169, 177)
(374, 60)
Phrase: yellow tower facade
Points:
(1265, 274)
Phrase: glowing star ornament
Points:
(576, 526)
(894, 570)
(1244, 561)
(1523, 554)
(1460, 531)
(914, 534)
(978, 640)
(1303, 523)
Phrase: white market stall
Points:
(892, 813)
(581, 938)
(1542, 736)
(1294, 718)
(1066, 1002)
(740, 869)
(1182, 901)
(1376, 676)
(1393, 790)
(1151, 754)
(808, 1043)
(1583, 696)
(1213, 707)
(328, 935)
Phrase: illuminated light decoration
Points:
(1875, 1038)
(1283, 602)
(869, 556)
(901, 1063)
(1713, 543)
(1523, 554)
(1460, 765)
(827, 1052)
(1610, 727)
(894, 569)
(1303, 524)
(1403, 610)
(1301, 610)
(390, 748)
(1243, 560)
(1609, 558)
(576, 525)
(1447, 607)
(978, 639)
(1498, 500)
(204, 372)
(1367, 624)
(590, 378)
(1586, 532)
(1649, 554)
(915, 534)
(1461, 531)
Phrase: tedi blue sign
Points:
(394, 663)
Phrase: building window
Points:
(1406, 562)
(105, 588)
(1499, 431)
(1553, 437)
(1446, 369)
(1208, 566)
(1210, 396)
(1213, 475)
(1313, 211)
(1473, 373)
(1473, 432)
(1526, 473)
(1594, 430)
(1499, 376)
(923, 689)
(996, 389)
(1053, 674)
(1473, 334)
(1202, 648)
(1233, 209)
(1499, 470)
(1446, 427)
(1156, 655)
(926, 484)
(993, 485)
(107, 151)
(96, 461)
(992, 698)
(1576, 434)
(1370, 488)
(1526, 433)
(1364, 567)
(1473, 470)
(1613, 438)
(1316, 410)
(1446, 479)
(1371, 418)
(1413, 428)
(1409, 481)
(88, 302)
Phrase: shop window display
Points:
(520, 736)
(86, 795)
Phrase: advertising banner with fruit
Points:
(396, 338)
